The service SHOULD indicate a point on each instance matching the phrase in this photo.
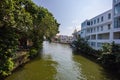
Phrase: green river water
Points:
(58, 62)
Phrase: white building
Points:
(116, 21)
(65, 39)
(104, 28)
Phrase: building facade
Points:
(104, 28)
(65, 39)
(116, 21)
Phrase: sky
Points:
(71, 13)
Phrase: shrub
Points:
(8, 47)
(108, 59)
(110, 54)
(33, 52)
(82, 46)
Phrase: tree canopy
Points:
(22, 18)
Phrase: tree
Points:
(13, 18)
(22, 18)
(83, 47)
(44, 24)
(8, 47)
(6, 13)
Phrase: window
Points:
(104, 36)
(102, 19)
(83, 24)
(99, 44)
(98, 28)
(93, 44)
(91, 22)
(88, 23)
(109, 26)
(93, 37)
(109, 16)
(117, 22)
(98, 20)
(115, 1)
(94, 21)
(88, 30)
(116, 35)
(91, 30)
(101, 28)
(117, 9)
(94, 29)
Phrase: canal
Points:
(58, 62)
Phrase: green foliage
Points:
(106, 48)
(6, 68)
(82, 46)
(110, 54)
(33, 52)
(44, 24)
(115, 48)
(8, 47)
(22, 19)
(111, 48)
(6, 13)
(108, 59)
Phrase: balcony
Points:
(104, 36)
(116, 36)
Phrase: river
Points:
(58, 62)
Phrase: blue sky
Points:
(71, 13)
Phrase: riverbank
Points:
(111, 69)
(59, 62)
(21, 58)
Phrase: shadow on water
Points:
(90, 57)
(108, 73)
(21, 67)
(36, 69)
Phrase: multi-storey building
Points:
(104, 28)
(116, 21)
(65, 39)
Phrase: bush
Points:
(8, 47)
(7, 67)
(82, 46)
(110, 54)
(33, 53)
(108, 59)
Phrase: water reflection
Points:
(94, 71)
(66, 68)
